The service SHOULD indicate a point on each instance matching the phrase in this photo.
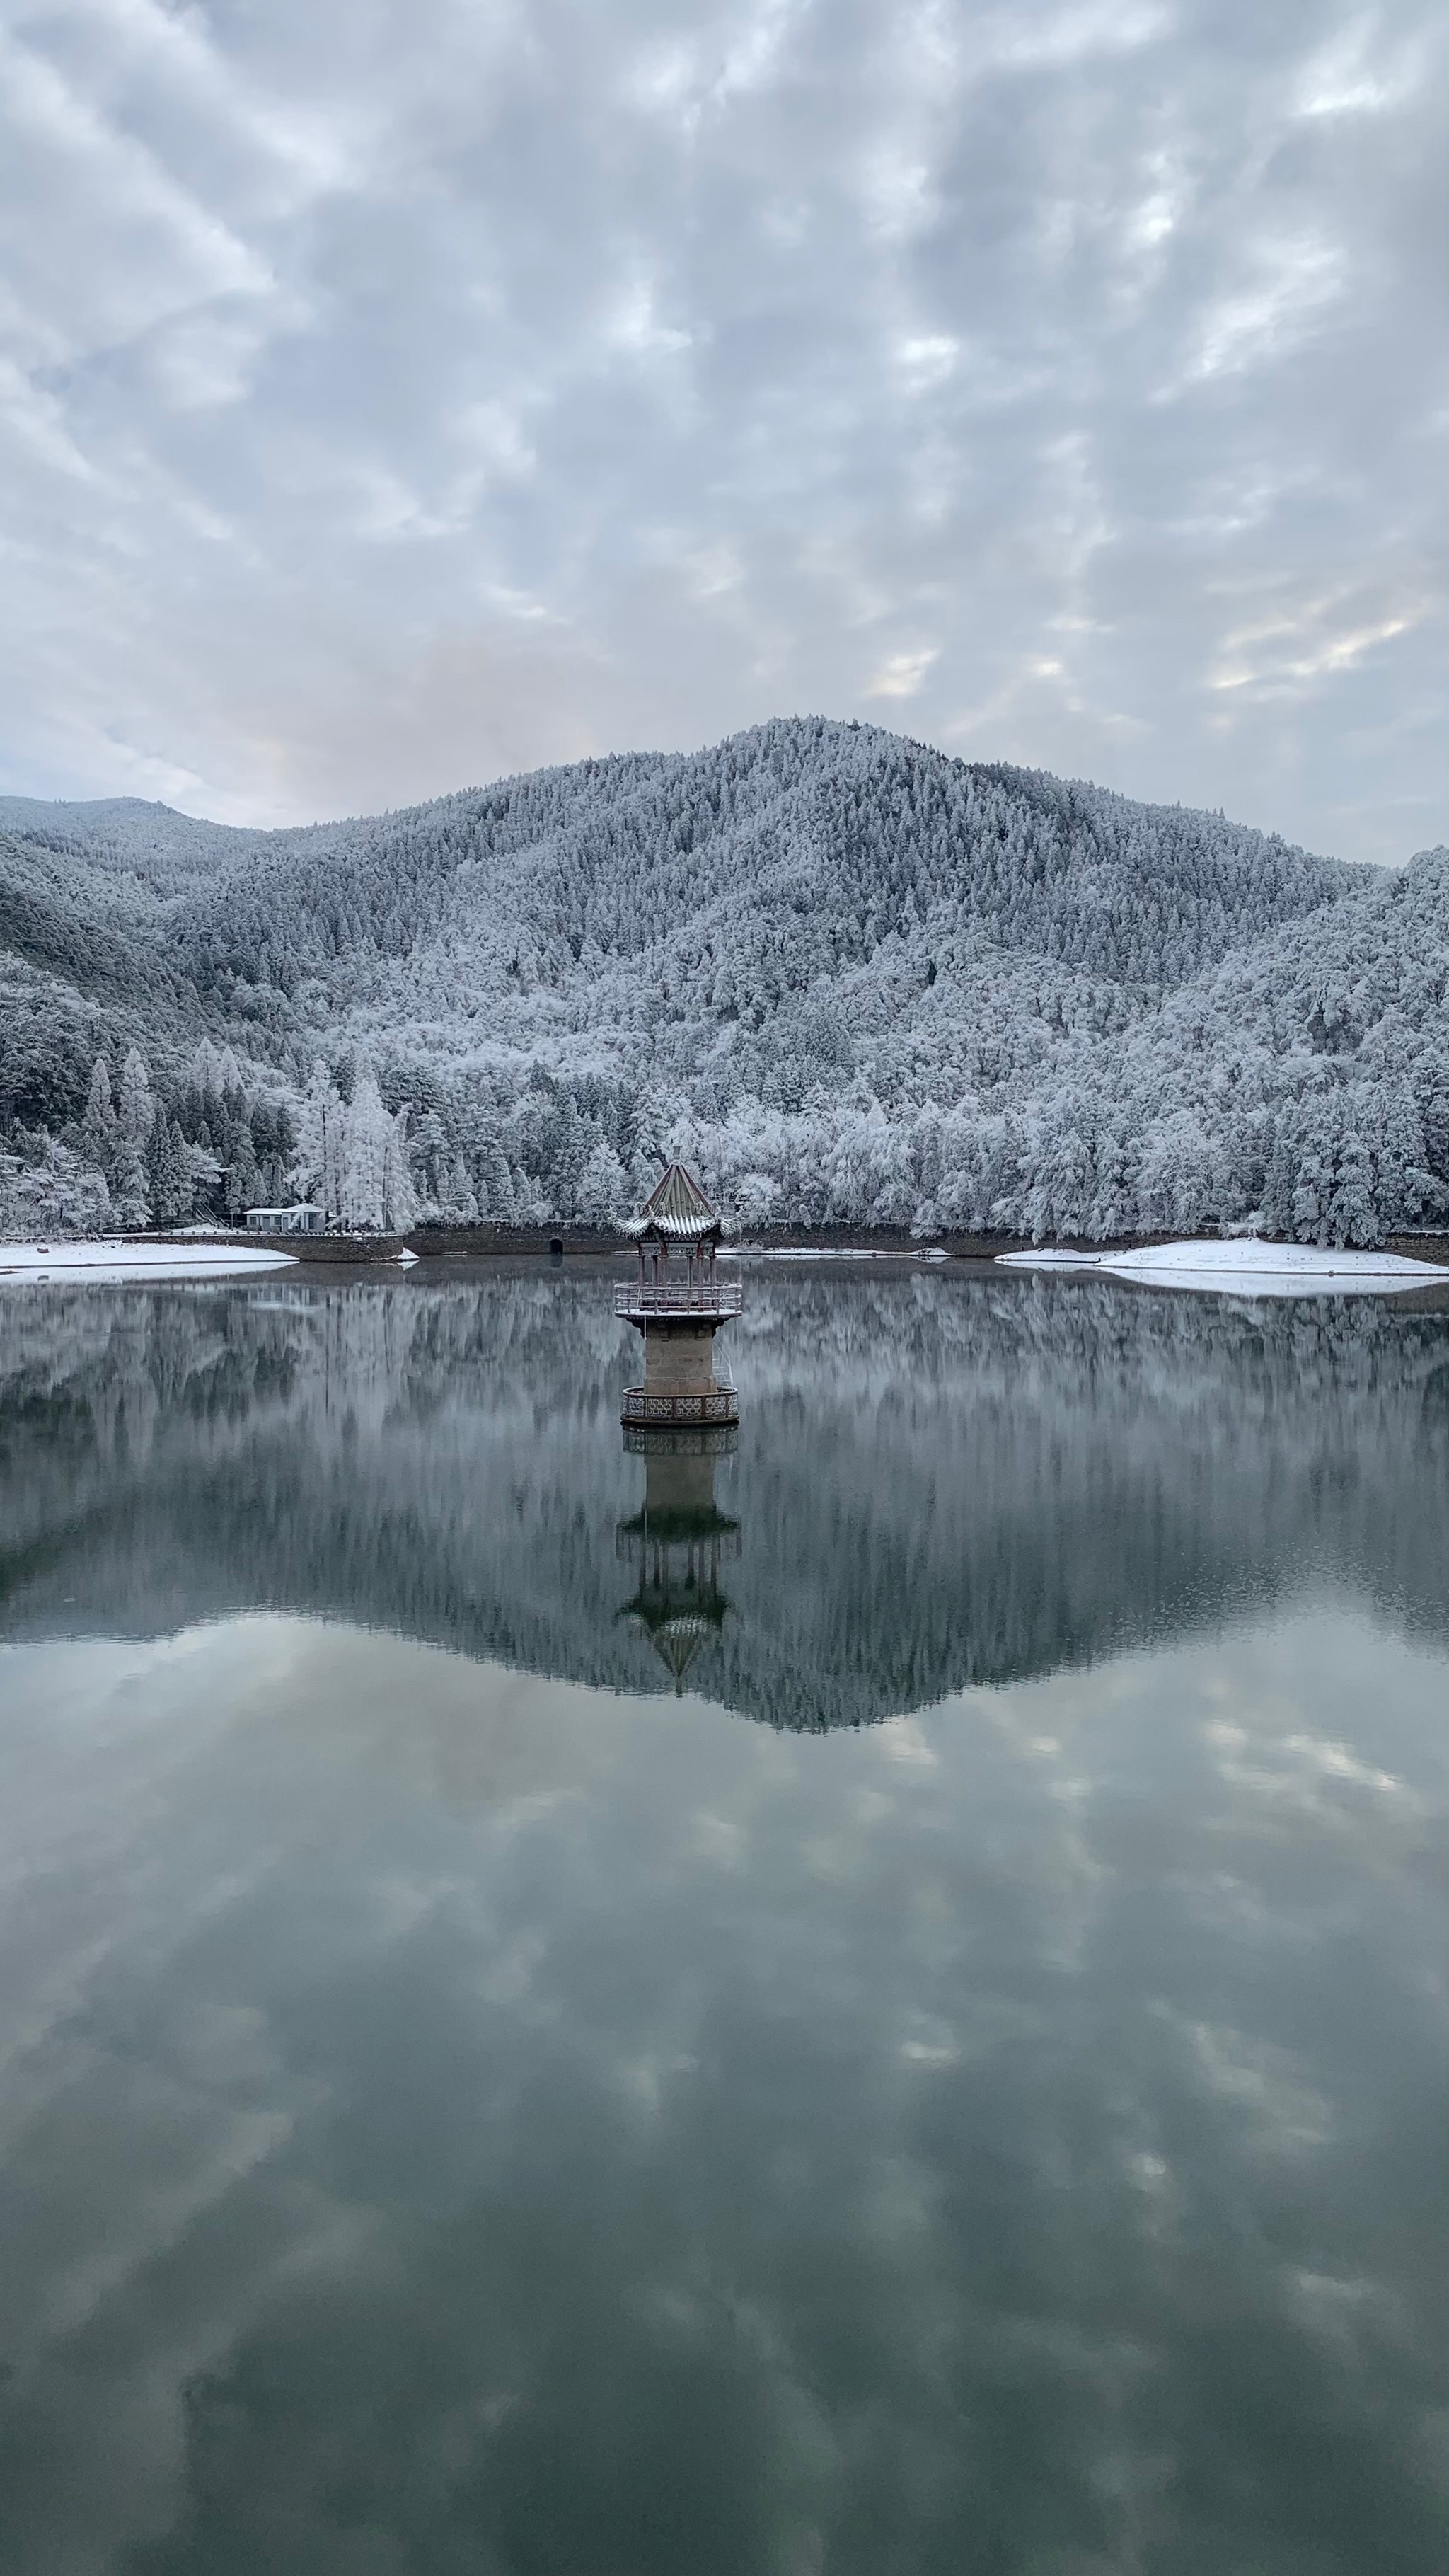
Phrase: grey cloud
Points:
(398, 397)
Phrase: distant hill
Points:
(848, 977)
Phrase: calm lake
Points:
(865, 2001)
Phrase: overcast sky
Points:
(393, 395)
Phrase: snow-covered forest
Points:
(848, 979)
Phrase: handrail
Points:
(718, 1404)
(716, 1296)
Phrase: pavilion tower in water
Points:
(678, 1304)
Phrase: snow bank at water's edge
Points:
(120, 1259)
(1253, 1268)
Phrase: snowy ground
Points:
(805, 1252)
(834, 1252)
(1252, 1268)
(120, 1259)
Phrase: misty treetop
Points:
(848, 978)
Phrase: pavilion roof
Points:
(676, 1208)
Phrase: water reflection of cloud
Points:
(518, 2026)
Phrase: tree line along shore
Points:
(850, 982)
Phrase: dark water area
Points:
(861, 2000)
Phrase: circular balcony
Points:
(705, 1300)
(646, 1406)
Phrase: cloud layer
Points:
(392, 397)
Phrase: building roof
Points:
(676, 1208)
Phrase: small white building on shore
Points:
(304, 1218)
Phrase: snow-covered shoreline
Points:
(1248, 1266)
(120, 1259)
(813, 1252)
(837, 1252)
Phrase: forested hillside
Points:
(849, 979)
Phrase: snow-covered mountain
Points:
(847, 977)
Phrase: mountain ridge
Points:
(25, 815)
(1057, 1003)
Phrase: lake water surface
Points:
(867, 2002)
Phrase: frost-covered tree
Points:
(323, 1146)
(603, 1192)
(493, 1185)
(431, 1164)
(137, 1108)
(169, 1179)
(1321, 1137)
(861, 982)
(241, 1179)
(1175, 1175)
(98, 1127)
(461, 1206)
(1280, 1185)
(48, 1190)
(130, 1195)
(377, 1191)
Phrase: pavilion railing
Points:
(646, 1404)
(717, 1295)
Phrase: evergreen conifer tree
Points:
(98, 1127)
(137, 1109)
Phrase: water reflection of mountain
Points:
(939, 1480)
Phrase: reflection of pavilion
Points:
(678, 1542)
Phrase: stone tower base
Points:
(679, 1359)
